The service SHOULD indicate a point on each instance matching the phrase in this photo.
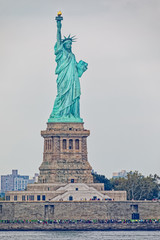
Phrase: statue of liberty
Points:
(67, 103)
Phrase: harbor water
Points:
(79, 235)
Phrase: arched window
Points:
(70, 144)
(64, 144)
(77, 144)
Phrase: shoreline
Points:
(80, 227)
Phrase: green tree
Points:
(138, 187)
(97, 178)
(2, 198)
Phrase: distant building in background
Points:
(122, 174)
(2, 195)
(35, 178)
(15, 182)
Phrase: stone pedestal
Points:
(65, 173)
(65, 154)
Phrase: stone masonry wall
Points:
(79, 210)
(65, 154)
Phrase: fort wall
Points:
(79, 210)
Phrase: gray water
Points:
(76, 235)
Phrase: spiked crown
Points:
(69, 38)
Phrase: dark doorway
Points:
(135, 215)
(70, 198)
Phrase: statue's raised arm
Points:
(67, 103)
(59, 18)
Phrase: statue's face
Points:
(68, 45)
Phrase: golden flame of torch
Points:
(59, 13)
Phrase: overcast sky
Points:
(120, 101)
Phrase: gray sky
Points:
(120, 90)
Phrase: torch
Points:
(59, 16)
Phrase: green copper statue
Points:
(67, 103)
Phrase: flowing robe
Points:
(66, 104)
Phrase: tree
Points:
(2, 198)
(138, 187)
(97, 178)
